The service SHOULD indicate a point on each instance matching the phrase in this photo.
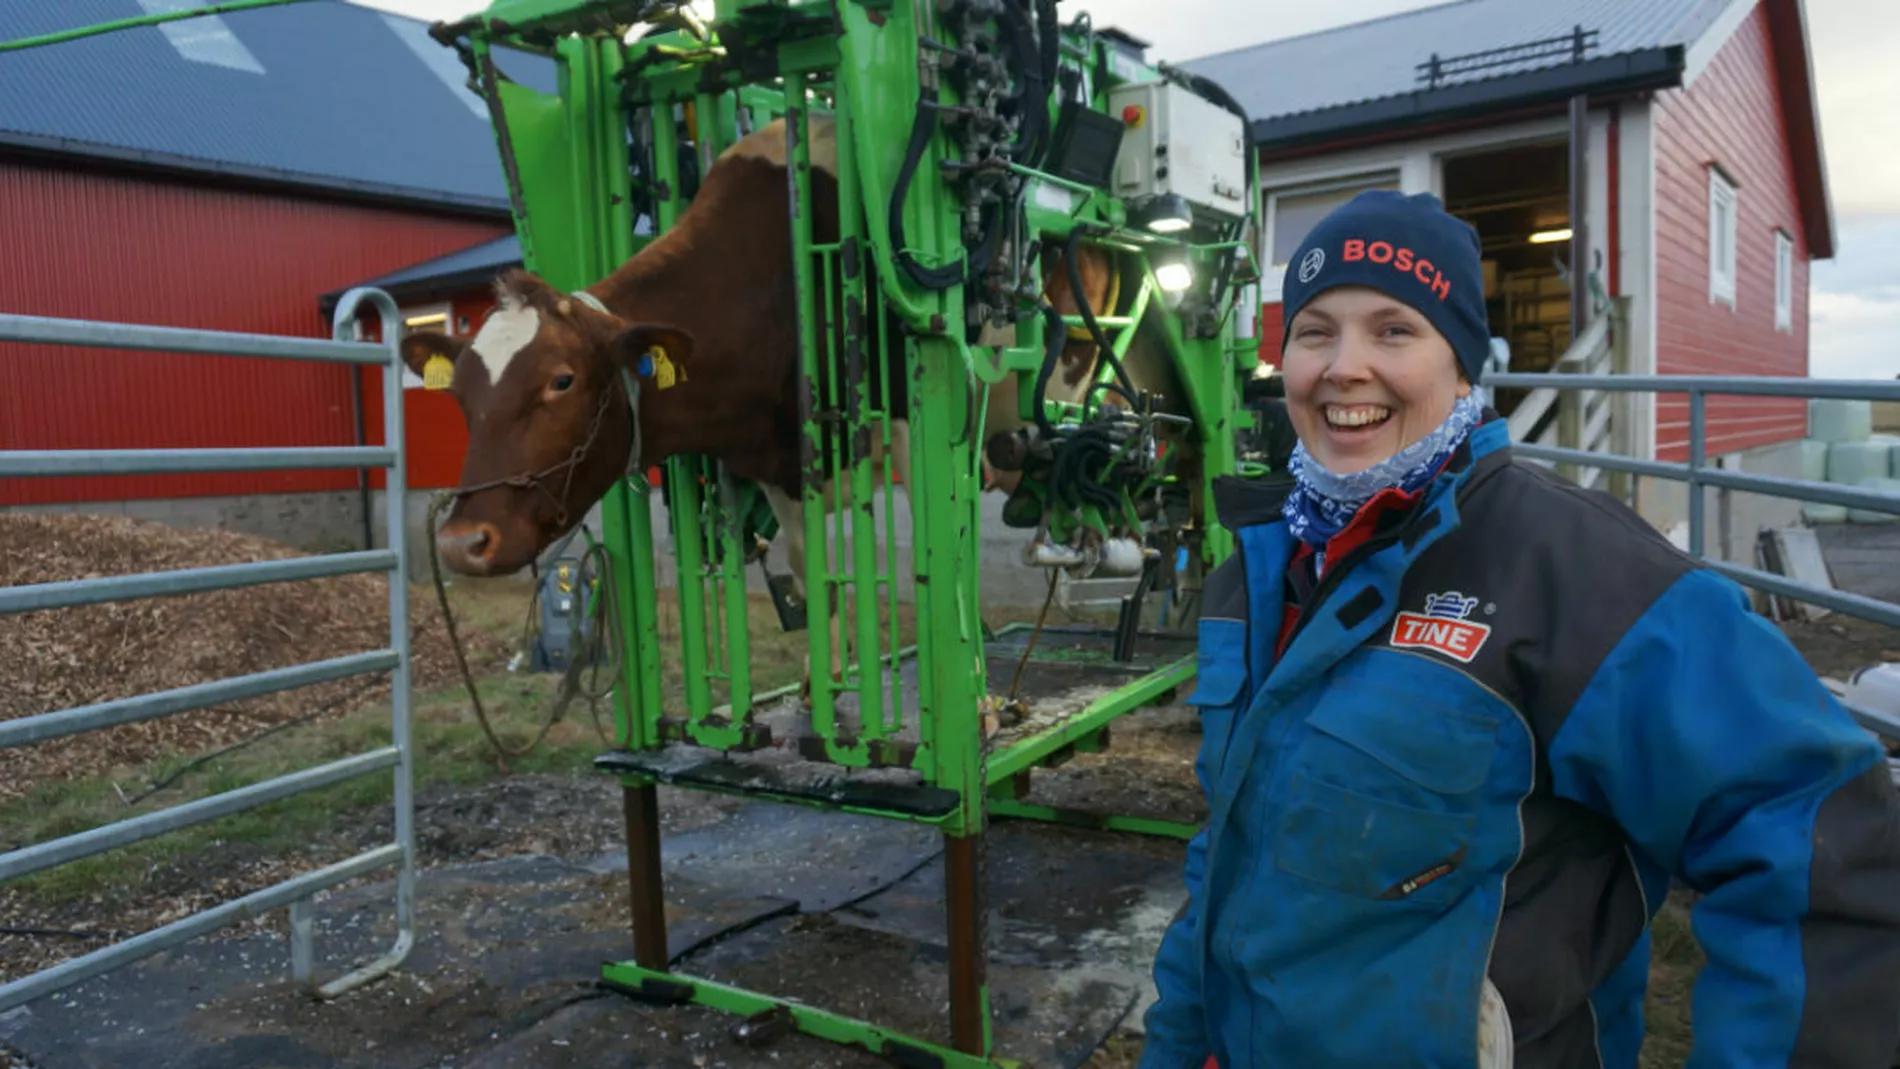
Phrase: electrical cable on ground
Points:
(603, 638)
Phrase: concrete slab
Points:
(1864, 558)
(840, 910)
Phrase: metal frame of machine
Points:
(968, 132)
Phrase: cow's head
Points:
(548, 424)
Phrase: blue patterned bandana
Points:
(1323, 503)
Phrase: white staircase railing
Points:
(1586, 420)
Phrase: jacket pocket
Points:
(1220, 686)
(1435, 746)
(1369, 847)
(1384, 793)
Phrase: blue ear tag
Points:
(646, 365)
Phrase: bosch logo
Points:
(1311, 263)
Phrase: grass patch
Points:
(450, 749)
(1674, 962)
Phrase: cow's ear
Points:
(422, 347)
(658, 354)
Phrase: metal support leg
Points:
(647, 893)
(302, 953)
(969, 948)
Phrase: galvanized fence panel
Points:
(1697, 473)
(396, 758)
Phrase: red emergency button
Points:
(1133, 114)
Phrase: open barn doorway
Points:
(1518, 198)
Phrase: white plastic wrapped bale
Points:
(1876, 687)
(1892, 442)
(1813, 460)
(1840, 421)
(1884, 485)
(1850, 462)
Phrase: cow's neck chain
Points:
(630, 384)
(537, 480)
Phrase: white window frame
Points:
(1724, 233)
(1784, 281)
(441, 310)
(1270, 233)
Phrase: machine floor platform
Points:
(1069, 669)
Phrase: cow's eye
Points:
(562, 382)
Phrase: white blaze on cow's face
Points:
(508, 331)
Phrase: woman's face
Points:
(1366, 376)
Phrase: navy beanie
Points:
(1407, 247)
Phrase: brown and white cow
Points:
(539, 385)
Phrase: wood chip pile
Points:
(63, 658)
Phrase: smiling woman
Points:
(1385, 333)
(1463, 723)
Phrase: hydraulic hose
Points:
(1088, 314)
(930, 278)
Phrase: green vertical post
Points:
(715, 116)
(859, 407)
(684, 501)
(738, 613)
(818, 587)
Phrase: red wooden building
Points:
(226, 176)
(1690, 172)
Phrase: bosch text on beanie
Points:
(1407, 247)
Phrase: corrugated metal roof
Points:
(320, 93)
(488, 257)
(1379, 59)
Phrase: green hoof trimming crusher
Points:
(976, 132)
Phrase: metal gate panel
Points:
(395, 759)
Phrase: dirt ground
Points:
(519, 908)
(1837, 645)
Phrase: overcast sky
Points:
(1856, 47)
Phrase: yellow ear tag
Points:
(665, 374)
(438, 372)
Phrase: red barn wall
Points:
(139, 250)
(1731, 116)
(1272, 324)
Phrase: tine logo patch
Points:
(1442, 628)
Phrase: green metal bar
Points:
(866, 577)
(754, 793)
(637, 523)
(683, 473)
(640, 641)
(77, 33)
(689, 546)
(818, 587)
(1011, 809)
(951, 669)
(729, 614)
(894, 1046)
(1033, 750)
(737, 609)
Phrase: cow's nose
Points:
(467, 547)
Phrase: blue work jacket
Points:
(1504, 722)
